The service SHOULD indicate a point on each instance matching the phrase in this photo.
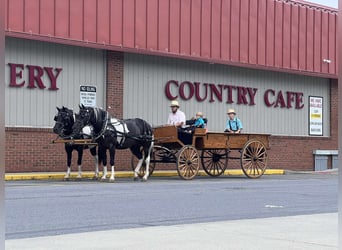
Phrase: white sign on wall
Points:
(88, 96)
(315, 115)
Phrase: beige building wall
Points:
(145, 78)
(36, 107)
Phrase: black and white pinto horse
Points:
(111, 134)
(63, 127)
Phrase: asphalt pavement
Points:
(314, 232)
(309, 231)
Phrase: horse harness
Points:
(114, 125)
(120, 128)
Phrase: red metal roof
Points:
(275, 34)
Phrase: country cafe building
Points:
(273, 61)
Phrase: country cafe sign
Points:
(225, 93)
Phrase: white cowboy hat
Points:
(174, 104)
(231, 111)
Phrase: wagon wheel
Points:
(188, 162)
(214, 161)
(141, 174)
(254, 159)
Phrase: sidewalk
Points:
(118, 174)
(304, 232)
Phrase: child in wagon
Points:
(233, 124)
(199, 122)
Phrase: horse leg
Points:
(79, 161)
(104, 163)
(137, 169)
(68, 150)
(112, 157)
(147, 161)
(137, 153)
(96, 159)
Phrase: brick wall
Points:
(114, 97)
(29, 149)
(114, 88)
(295, 153)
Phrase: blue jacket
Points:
(199, 123)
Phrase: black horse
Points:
(111, 133)
(63, 127)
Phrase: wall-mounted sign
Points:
(315, 115)
(88, 96)
(35, 73)
(211, 92)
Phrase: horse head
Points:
(64, 121)
(89, 117)
(86, 117)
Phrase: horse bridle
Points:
(64, 124)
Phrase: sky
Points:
(330, 3)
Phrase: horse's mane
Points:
(101, 117)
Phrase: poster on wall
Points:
(315, 115)
(88, 96)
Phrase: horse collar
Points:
(104, 127)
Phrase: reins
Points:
(137, 138)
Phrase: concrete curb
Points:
(119, 174)
(328, 171)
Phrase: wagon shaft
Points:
(75, 141)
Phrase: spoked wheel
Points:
(254, 159)
(188, 162)
(141, 173)
(214, 161)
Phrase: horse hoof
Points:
(135, 178)
(111, 180)
(143, 179)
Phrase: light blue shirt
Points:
(234, 124)
(199, 123)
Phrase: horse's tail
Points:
(151, 142)
(148, 134)
(151, 146)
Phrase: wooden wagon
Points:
(211, 149)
